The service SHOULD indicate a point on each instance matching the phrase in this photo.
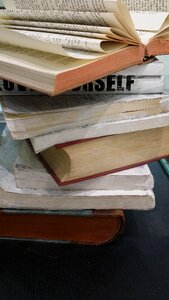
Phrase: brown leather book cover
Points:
(98, 227)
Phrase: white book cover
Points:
(99, 129)
(29, 116)
(140, 79)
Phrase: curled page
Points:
(59, 44)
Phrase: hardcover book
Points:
(61, 46)
(84, 159)
(89, 227)
(28, 116)
(30, 173)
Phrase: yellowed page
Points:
(151, 5)
(58, 44)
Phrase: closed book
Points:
(63, 47)
(44, 141)
(80, 160)
(28, 116)
(145, 78)
(78, 198)
(83, 227)
(30, 173)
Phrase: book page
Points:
(151, 5)
(148, 21)
(119, 18)
(116, 31)
(59, 44)
(71, 5)
(82, 18)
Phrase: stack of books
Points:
(72, 163)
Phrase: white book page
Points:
(148, 21)
(151, 5)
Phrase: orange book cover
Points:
(91, 227)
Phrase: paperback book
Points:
(29, 116)
(42, 142)
(23, 198)
(147, 78)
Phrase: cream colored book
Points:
(58, 46)
(17, 198)
(30, 173)
(29, 116)
(84, 159)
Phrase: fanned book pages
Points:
(89, 227)
(25, 198)
(147, 78)
(80, 160)
(30, 173)
(151, 5)
(54, 47)
(29, 116)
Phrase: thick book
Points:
(30, 173)
(23, 198)
(146, 78)
(29, 116)
(80, 160)
(44, 141)
(90, 227)
(63, 46)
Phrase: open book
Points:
(53, 47)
